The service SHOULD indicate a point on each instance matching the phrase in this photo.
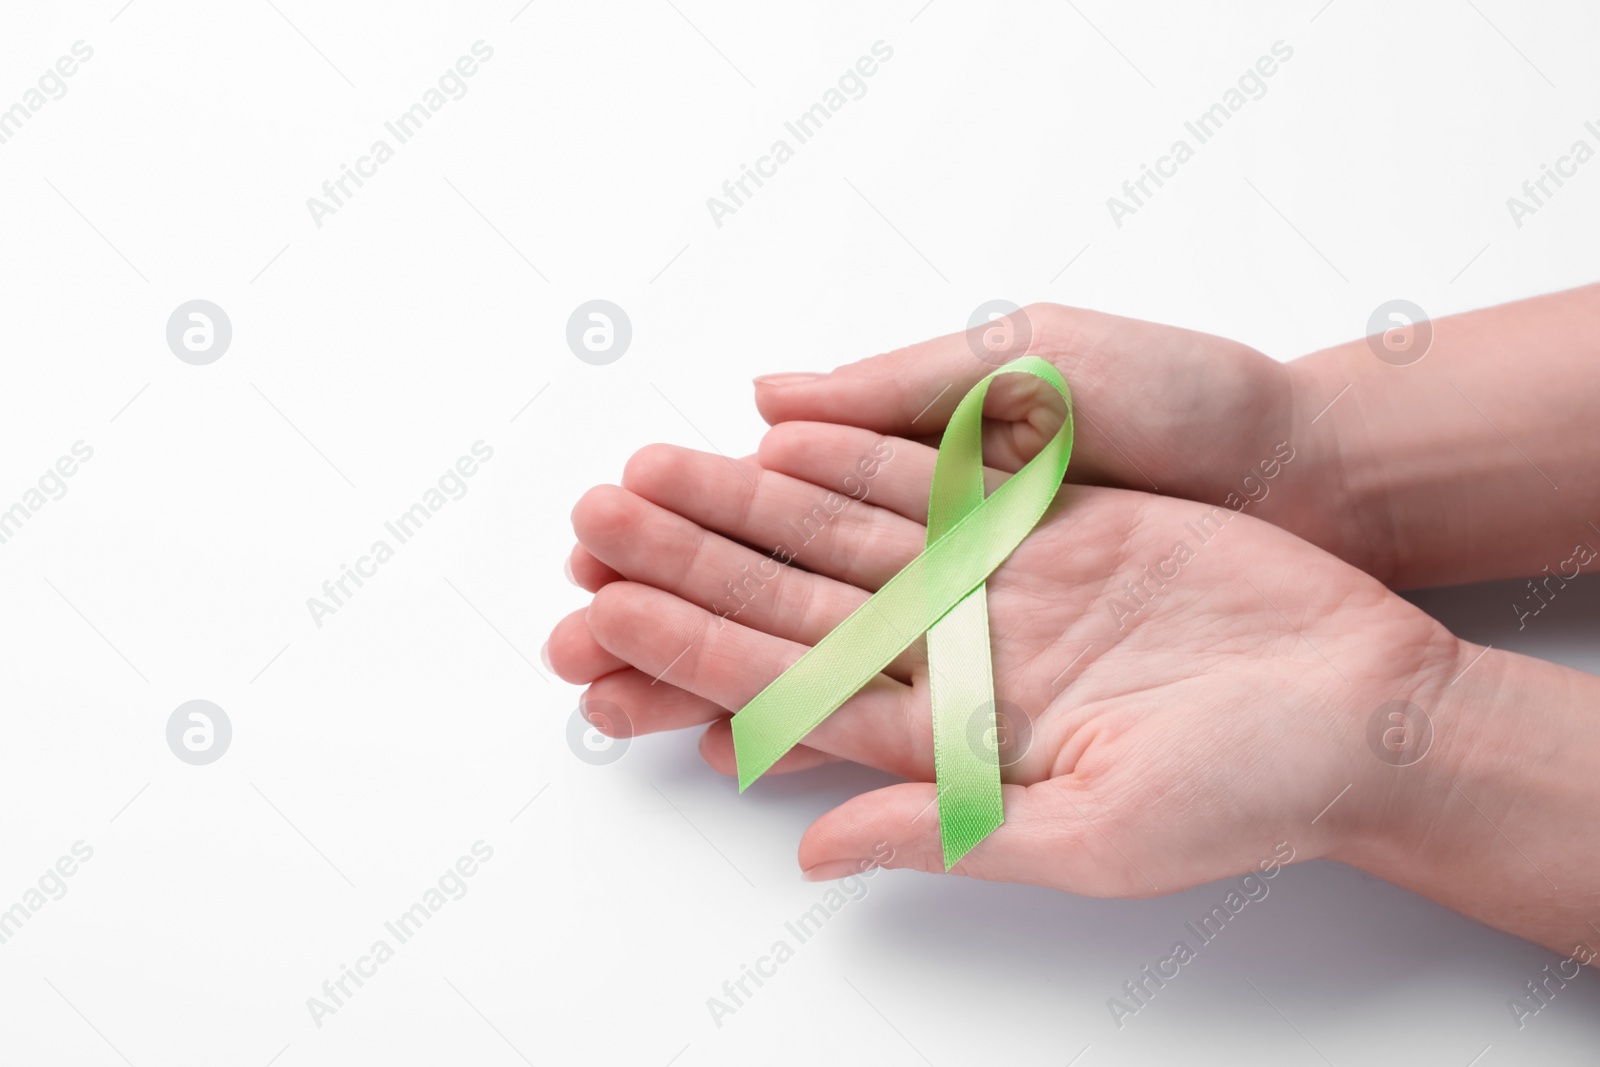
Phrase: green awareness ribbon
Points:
(940, 593)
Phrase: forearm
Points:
(1481, 460)
(1497, 819)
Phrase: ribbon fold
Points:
(940, 593)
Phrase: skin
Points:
(1185, 733)
(1411, 475)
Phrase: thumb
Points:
(913, 390)
(1046, 839)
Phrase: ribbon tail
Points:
(965, 757)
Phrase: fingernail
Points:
(566, 568)
(544, 656)
(834, 869)
(786, 379)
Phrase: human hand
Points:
(1144, 395)
(1183, 726)
(1450, 458)
(1158, 409)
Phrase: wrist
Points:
(1490, 819)
(1343, 506)
(1401, 751)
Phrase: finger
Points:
(913, 390)
(1046, 839)
(895, 475)
(654, 546)
(823, 531)
(586, 572)
(728, 664)
(647, 706)
(629, 703)
(907, 391)
(716, 748)
(574, 654)
(1001, 451)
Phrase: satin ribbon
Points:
(940, 593)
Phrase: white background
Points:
(368, 354)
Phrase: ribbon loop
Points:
(940, 593)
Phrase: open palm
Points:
(1184, 688)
